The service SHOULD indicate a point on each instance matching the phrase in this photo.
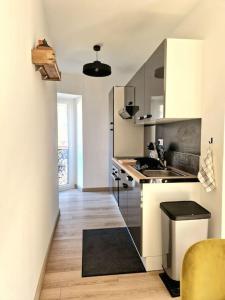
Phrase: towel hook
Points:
(211, 140)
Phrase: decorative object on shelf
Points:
(43, 57)
(97, 69)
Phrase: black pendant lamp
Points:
(97, 69)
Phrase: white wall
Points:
(28, 160)
(207, 22)
(94, 93)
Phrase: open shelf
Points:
(44, 59)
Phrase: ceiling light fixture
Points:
(97, 69)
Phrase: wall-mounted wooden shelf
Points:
(43, 57)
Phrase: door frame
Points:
(70, 100)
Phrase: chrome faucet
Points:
(163, 163)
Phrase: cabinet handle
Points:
(141, 118)
(116, 178)
(122, 171)
(111, 123)
(113, 176)
(111, 129)
(129, 178)
(125, 186)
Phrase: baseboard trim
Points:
(96, 189)
(41, 277)
(67, 187)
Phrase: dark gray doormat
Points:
(109, 251)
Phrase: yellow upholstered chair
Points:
(203, 271)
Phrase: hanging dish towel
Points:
(206, 172)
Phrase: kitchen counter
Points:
(128, 166)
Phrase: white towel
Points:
(206, 172)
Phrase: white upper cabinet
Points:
(183, 78)
(172, 82)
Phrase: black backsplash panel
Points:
(184, 136)
(183, 161)
(182, 142)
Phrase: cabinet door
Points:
(184, 74)
(123, 201)
(138, 81)
(129, 94)
(134, 213)
(154, 84)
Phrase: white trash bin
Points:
(184, 223)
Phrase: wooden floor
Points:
(63, 274)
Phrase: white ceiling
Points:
(129, 30)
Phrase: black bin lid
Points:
(184, 210)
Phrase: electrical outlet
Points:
(160, 142)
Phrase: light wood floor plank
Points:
(63, 279)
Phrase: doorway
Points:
(70, 164)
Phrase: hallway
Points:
(63, 274)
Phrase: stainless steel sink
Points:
(161, 173)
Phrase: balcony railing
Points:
(63, 166)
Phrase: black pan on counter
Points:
(143, 163)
